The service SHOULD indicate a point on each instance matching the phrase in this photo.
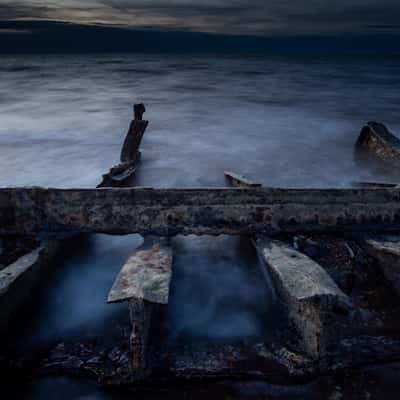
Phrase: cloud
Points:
(222, 16)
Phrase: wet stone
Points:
(386, 251)
(314, 303)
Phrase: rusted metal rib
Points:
(134, 136)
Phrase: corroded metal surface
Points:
(378, 141)
(146, 275)
(168, 212)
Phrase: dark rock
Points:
(375, 139)
(311, 249)
(346, 280)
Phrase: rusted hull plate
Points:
(146, 275)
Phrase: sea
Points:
(281, 121)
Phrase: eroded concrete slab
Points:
(214, 211)
(386, 250)
(313, 301)
(19, 278)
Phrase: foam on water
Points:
(282, 121)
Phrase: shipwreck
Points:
(332, 257)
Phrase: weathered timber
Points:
(386, 250)
(378, 141)
(19, 278)
(313, 301)
(239, 181)
(146, 275)
(138, 111)
(130, 154)
(134, 136)
(120, 174)
(142, 314)
(168, 212)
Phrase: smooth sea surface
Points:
(288, 122)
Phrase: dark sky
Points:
(260, 17)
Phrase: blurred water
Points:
(281, 121)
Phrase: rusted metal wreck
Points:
(339, 305)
